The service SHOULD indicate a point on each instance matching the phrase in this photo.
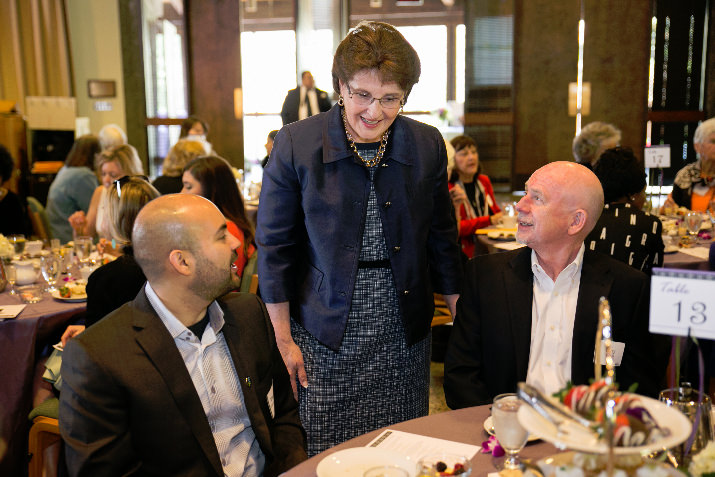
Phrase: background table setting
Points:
(684, 249)
(32, 320)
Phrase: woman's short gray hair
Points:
(587, 144)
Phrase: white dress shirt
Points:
(216, 381)
(552, 318)
(303, 108)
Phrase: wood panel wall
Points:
(215, 71)
(616, 53)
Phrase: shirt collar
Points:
(172, 323)
(571, 270)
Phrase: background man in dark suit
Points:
(531, 314)
(180, 382)
(304, 101)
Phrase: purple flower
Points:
(492, 445)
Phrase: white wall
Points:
(96, 54)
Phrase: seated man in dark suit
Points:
(180, 382)
(531, 314)
(304, 101)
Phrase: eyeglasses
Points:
(124, 179)
(366, 99)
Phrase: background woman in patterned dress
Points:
(355, 228)
(624, 231)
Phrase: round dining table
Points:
(461, 425)
(22, 342)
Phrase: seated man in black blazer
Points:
(179, 381)
(531, 314)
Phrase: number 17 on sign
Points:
(682, 303)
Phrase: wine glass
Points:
(18, 241)
(11, 275)
(693, 222)
(51, 267)
(82, 248)
(510, 434)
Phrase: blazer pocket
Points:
(314, 278)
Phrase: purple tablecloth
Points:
(463, 425)
(21, 341)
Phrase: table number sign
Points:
(657, 156)
(682, 303)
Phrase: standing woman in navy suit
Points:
(355, 228)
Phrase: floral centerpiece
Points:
(703, 463)
(6, 248)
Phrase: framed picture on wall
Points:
(102, 88)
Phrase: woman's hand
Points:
(494, 219)
(78, 221)
(71, 332)
(290, 352)
(458, 195)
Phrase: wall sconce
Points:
(375, 3)
(238, 103)
(251, 6)
(585, 99)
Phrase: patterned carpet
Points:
(436, 389)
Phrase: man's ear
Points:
(181, 261)
(578, 221)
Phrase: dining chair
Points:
(38, 217)
(44, 433)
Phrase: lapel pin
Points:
(248, 381)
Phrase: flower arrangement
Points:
(703, 463)
(6, 248)
(492, 446)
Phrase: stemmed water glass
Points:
(18, 241)
(11, 275)
(511, 435)
(82, 248)
(693, 222)
(51, 268)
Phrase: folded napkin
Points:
(699, 252)
(10, 311)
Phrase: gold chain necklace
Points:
(380, 152)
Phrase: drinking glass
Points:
(693, 221)
(386, 471)
(51, 268)
(82, 248)
(18, 241)
(510, 434)
(11, 275)
(685, 399)
(55, 245)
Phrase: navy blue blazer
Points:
(312, 212)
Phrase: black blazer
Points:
(488, 351)
(289, 111)
(128, 405)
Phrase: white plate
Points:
(489, 427)
(667, 418)
(354, 462)
(73, 299)
(672, 249)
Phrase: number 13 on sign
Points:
(682, 303)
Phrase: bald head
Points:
(577, 188)
(167, 223)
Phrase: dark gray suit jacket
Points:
(289, 111)
(488, 351)
(128, 405)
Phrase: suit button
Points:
(384, 164)
(396, 249)
(406, 292)
(388, 204)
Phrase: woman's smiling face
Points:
(367, 124)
